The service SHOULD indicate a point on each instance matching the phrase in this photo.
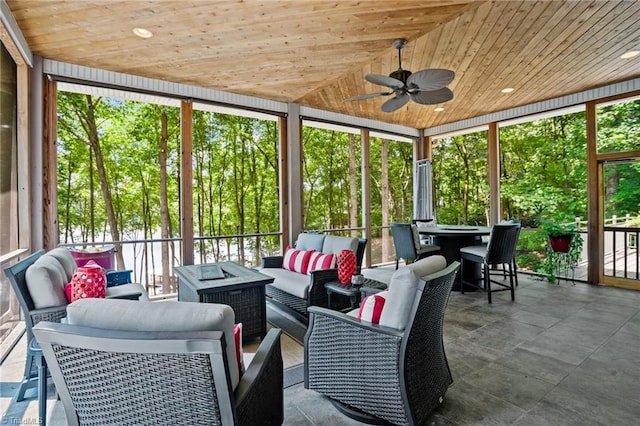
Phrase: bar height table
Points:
(451, 238)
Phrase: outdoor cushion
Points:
(416, 237)
(66, 260)
(55, 265)
(428, 265)
(131, 315)
(334, 244)
(45, 284)
(402, 294)
(127, 291)
(310, 241)
(372, 307)
(296, 260)
(288, 281)
(319, 261)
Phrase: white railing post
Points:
(614, 219)
(578, 223)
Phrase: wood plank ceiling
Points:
(316, 52)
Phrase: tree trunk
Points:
(353, 186)
(94, 141)
(164, 205)
(384, 199)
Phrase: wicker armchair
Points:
(17, 276)
(375, 373)
(177, 371)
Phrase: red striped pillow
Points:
(371, 307)
(321, 260)
(297, 260)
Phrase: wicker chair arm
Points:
(317, 293)
(259, 397)
(52, 314)
(272, 261)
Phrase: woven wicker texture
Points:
(248, 306)
(399, 377)
(263, 406)
(340, 355)
(147, 389)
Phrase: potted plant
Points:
(564, 248)
(560, 236)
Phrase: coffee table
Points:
(242, 288)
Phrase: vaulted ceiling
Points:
(316, 52)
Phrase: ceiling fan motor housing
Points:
(401, 75)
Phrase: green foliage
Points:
(543, 169)
(555, 229)
(460, 189)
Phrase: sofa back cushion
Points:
(310, 241)
(132, 315)
(334, 244)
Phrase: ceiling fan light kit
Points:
(425, 87)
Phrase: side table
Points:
(354, 292)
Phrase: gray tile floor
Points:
(558, 355)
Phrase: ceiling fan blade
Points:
(383, 80)
(431, 79)
(368, 96)
(432, 97)
(395, 103)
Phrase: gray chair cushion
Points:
(334, 244)
(130, 315)
(402, 294)
(428, 265)
(66, 260)
(288, 281)
(309, 241)
(45, 284)
(56, 266)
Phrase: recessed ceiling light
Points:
(439, 109)
(630, 54)
(507, 90)
(142, 33)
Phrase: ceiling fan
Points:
(426, 87)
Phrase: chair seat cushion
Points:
(474, 253)
(427, 248)
(290, 282)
